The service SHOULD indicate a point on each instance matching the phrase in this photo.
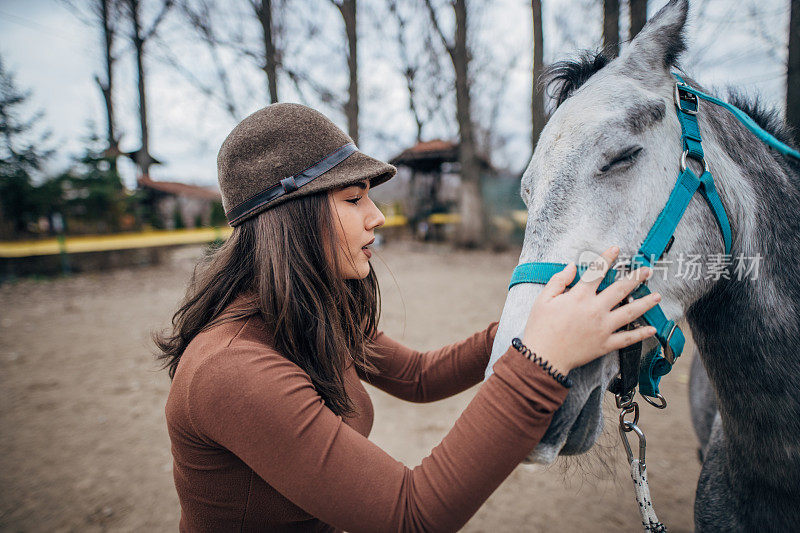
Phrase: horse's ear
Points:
(661, 40)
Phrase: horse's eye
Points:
(623, 159)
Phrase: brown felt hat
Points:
(285, 151)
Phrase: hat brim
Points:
(356, 167)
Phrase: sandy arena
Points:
(84, 447)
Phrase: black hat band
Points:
(290, 184)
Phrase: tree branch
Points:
(450, 49)
(323, 92)
(165, 7)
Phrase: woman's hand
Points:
(570, 329)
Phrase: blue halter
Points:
(658, 362)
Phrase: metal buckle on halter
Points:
(682, 94)
(686, 154)
(669, 355)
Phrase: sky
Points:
(55, 55)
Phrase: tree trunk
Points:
(472, 228)
(143, 156)
(107, 87)
(793, 73)
(263, 11)
(611, 27)
(537, 94)
(638, 17)
(348, 11)
(408, 68)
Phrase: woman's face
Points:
(357, 218)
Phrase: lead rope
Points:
(641, 488)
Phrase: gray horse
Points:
(601, 173)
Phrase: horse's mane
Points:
(562, 78)
(765, 115)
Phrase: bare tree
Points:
(472, 230)
(140, 35)
(264, 13)
(264, 51)
(638, 14)
(537, 91)
(104, 14)
(263, 10)
(347, 8)
(407, 67)
(420, 67)
(793, 72)
(611, 27)
(269, 49)
(201, 16)
(109, 32)
(490, 139)
(350, 106)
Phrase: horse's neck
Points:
(748, 333)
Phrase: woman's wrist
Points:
(552, 369)
(555, 357)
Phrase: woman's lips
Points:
(366, 248)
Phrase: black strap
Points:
(629, 358)
(290, 184)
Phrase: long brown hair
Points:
(318, 320)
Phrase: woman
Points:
(266, 413)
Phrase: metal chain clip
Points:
(627, 406)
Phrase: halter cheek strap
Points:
(765, 136)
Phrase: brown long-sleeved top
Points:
(256, 449)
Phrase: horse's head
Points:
(602, 171)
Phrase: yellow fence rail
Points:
(149, 239)
(119, 241)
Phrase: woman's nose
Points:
(376, 217)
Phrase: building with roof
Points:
(427, 182)
(181, 205)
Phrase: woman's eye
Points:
(354, 201)
(623, 159)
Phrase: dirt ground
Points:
(83, 442)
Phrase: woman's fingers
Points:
(629, 312)
(597, 269)
(617, 291)
(620, 340)
(559, 282)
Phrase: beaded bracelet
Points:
(547, 367)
